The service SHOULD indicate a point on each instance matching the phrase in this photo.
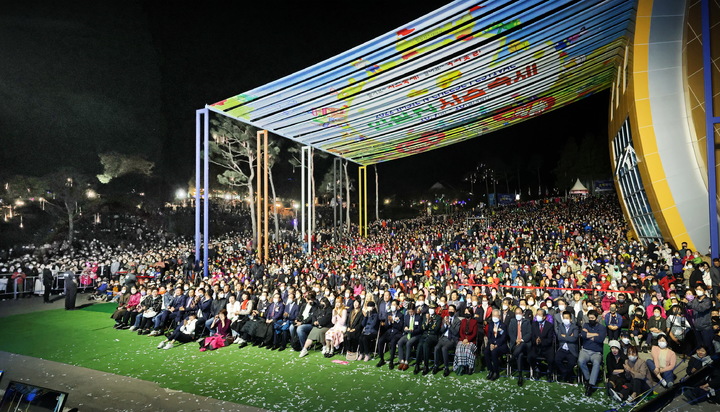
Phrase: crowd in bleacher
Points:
(553, 289)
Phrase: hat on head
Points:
(614, 344)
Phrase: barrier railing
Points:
(19, 287)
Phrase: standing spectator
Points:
(47, 280)
(70, 289)
(702, 307)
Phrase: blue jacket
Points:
(275, 311)
(568, 336)
(370, 323)
(502, 336)
(205, 306)
(292, 311)
(417, 327)
(595, 343)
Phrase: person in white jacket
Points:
(182, 334)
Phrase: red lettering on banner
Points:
(502, 80)
(426, 140)
(531, 109)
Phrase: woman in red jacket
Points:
(466, 347)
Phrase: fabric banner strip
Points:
(546, 288)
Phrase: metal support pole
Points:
(342, 179)
(258, 196)
(302, 194)
(206, 206)
(334, 201)
(198, 151)
(365, 205)
(710, 121)
(311, 198)
(266, 173)
(360, 201)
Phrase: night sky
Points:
(84, 77)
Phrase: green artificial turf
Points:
(279, 381)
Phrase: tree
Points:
(234, 149)
(64, 192)
(116, 165)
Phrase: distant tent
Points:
(437, 187)
(578, 189)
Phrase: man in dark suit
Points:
(519, 339)
(274, 313)
(506, 313)
(430, 330)
(391, 336)
(543, 338)
(567, 336)
(282, 326)
(412, 330)
(562, 306)
(449, 334)
(496, 345)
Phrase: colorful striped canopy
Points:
(463, 71)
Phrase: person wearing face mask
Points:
(567, 353)
(623, 309)
(655, 326)
(637, 373)
(702, 317)
(303, 323)
(613, 321)
(615, 371)
(282, 326)
(558, 316)
(370, 330)
(677, 327)
(625, 341)
(638, 328)
(699, 360)
(655, 302)
(496, 345)
(393, 332)
(543, 338)
(335, 336)
(449, 335)
(430, 329)
(662, 363)
(412, 330)
(274, 313)
(519, 340)
(464, 361)
(506, 312)
(593, 334)
(321, 321)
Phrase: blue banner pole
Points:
(206, 206)
(198, 120)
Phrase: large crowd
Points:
(536, 291)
